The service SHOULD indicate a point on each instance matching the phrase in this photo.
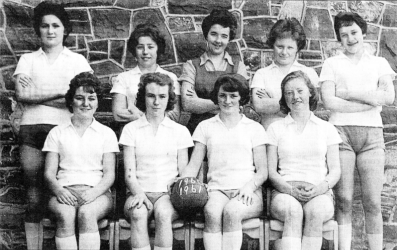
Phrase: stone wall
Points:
(100, 32)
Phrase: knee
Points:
(344, 203)
(136, 214)
(211, 215)
(163, 215)
(231, 214)
(372, 206)
(85, 216)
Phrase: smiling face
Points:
(229, 102)
(51, 31)
(297, 95)
(352, 39)
(156, 99)
(218, 38)
(285, 51)
(84, 103)
(146, 51)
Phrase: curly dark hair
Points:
(313, 91)
(344, 19)
(47, 8)
(88, 81)
(160, 79)
(287, 28)
(149, 30)
(231, 83)
(222, 17)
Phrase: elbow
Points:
(185, 104)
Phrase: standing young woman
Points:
(354, 86)
(286, 38)
(303, 165)
(199, 75)
(236, 150)
(146, 44)
(155, 152)
(80, 167)
(42, 79)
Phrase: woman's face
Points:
(218, 38)
(229, 102)
(146, 51)
(352, 39)
(51, 31)
(285, 51)
(84, 104)
(156, 99)
(297, 95)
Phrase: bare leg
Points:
(164, 215)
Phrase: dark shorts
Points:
(329, 193)
(34, 135)
(77, 191)
(360, 139)
(152, 196)
(229, 193)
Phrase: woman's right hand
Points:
(138, 200)
(25, 80)
(64, 196)
(297, 193)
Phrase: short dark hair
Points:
(287, 28)
(344, 19)
(159, 79)
(231, 83)
(222, 17)
(149, 30)
(47, 8)
(88, 81)
(313, 91)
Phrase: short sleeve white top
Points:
(127, 83)
(302, 156)
(270, 78)
(80, 158)
(229, 151)
(362, 76)
(156, 154)
(47, 77)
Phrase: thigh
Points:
(63, 212)
(136, 213)
(284, 205)
(345, 185)
(245, 211)
(32, 161)
(99, 208)
(321, 206)
(163, 206)
(215, 204)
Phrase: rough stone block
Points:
(4, 49)
(336, 6)
(275, 10)
(117, 50)
(98, 46)
(133, 4)
(10, 176)
(369, 10)
(71, 42)
(388, 47)
(2, 18)
(84, 3)
(310, 64)
(106, 68)
(7, 60)
(255, 32)
(372, 32)
(12, 195)
(389, 16)
(315, 45)
(321, 4)
(318, 25)
(80, 21)
(256, 8)
(110, 23)
(7, 77)
(32, 3)
(267, 58)
(196, 6)
(233, 50)
(238, 17)
(155, 16)
(189, 46)
(390, 233)
(97, 56)
(292, 9)
(130, 61)
(81, 44)
(310, 55)
(178, 24)
(252, 59)
(177, 70)
(389, 115)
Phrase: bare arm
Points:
(120, 110)
(26, 91)
(263, 103)
(183, 160)
(56, 103)
(383, 95)
(277, 181)
(192, 103)
(50, 172)
(193, 168)
(260, 161)
(334, 103)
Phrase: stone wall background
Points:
(100, 32)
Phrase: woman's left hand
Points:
(313, 191)
(245, 194)
(88, 196)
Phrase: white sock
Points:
(32, 235)
(312, 243)
(375, 241)
(232, 240)
(89, 241)
(162, 248)
(291, 243)
(212, 241)
(142, 248)
(345, 236)
(66, 243)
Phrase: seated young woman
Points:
(80, 167)
(155, 152)
(236, 151)
(303, 161)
